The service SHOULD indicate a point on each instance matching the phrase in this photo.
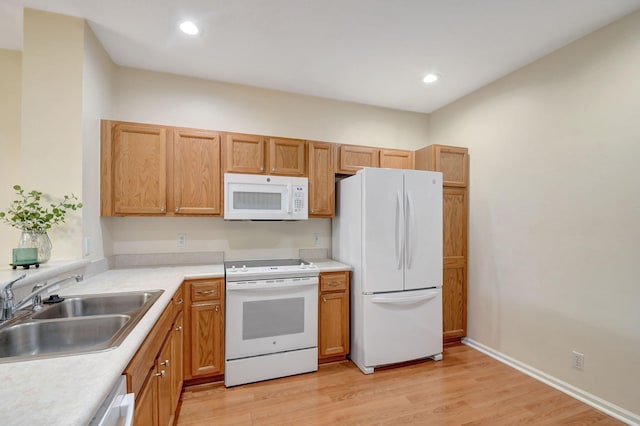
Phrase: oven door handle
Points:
(262, 285)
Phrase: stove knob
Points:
(303, 266)
(233, 268)
(244, 268)
(311, 265)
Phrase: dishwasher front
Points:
(117, 408)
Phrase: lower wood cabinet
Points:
(333, 316)
(155, 371)
(204, 340)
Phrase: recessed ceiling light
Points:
(430, 78)
(189, 27)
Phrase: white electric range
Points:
(271, 326)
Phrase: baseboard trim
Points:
(598, 403)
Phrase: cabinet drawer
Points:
(333, 281)
(206, 290)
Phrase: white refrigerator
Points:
(388, 227)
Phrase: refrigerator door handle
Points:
(410, 226)
(399, 232)
(404, 300)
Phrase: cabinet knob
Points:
(217, 308)
(165, 363)
(312, 210)
(324, 299)
(179, 328)
(179, 302)
(177, 209)
(273, 169)
(261, 168)
(162, 209)
(160, 374)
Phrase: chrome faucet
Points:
(8, 307)
(7, 298)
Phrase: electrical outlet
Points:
(182, 240)
(578, 360)
(316, 239)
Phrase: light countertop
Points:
(68, 390)
(329, 265)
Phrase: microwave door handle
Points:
(289, 199)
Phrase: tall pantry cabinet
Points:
(453, 163)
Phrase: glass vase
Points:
(39, 240)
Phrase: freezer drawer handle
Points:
(404, 300)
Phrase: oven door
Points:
(270, 316)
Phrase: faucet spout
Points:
(7, 298)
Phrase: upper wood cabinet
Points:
(286, 157)
(352, 158)
(134, 169)
(321, 179)
(263, 155)
(396, 159)
(243, 153)
(156, 170)
(452, 161)
(196, 171)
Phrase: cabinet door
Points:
(146, 407)
(454, 302)
(139, 161)
(321, 180)
(196, 173)
(286, 157)
(352, 158)
(396, 159)
(165, 389)
(243, 153)
(452, 161)
(207, 339)
(177, 348)
(333, 339)
(454, 245)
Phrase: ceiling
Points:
(373, 52)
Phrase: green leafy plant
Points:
(28, 213)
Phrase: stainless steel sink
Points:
(63, 336)
(99, 304)
(79, 324)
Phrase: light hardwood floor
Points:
(465, 388)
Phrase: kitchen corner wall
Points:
(97, 88)
(51, 130)
(160, 98)
(554, 206)
(10, 112)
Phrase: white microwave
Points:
(263, 197)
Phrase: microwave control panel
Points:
(298, 199)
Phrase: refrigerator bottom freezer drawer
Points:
(401, 326)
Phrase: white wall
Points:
(10, 111)
(554, 206)
(152, 97)
(51, 143)
(96, 102)
(160, 98)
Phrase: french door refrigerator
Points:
(388, 227)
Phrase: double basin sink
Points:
(79, 324)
